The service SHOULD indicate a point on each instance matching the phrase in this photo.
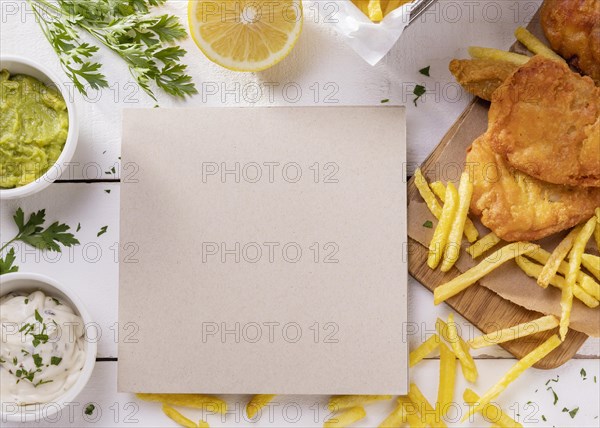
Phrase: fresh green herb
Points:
(583, 374)
(78, 227)
(142, 40)
(107, 191)
(102, 231)
(419, 91)
(425, 71)
(6, 264)
(544, 418)
(15, 361)
(24, 352)
(428, 224)
(385, 101)
(90, 409)
(41, 382)
(38, 317)
(554, 394)
(571, 413)
(55, 300)
(552, 380)
(37, 360)
(26, 300)
(55, 361)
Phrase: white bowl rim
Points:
(37, 412)
(72, 134)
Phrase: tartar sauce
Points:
(42, 351)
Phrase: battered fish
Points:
(545, 121)
(481, 77)
(573, 29)
(518, 207)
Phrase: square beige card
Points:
(264, 250)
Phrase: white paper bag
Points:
(372, 41)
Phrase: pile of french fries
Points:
(376, 10)
(451, 211)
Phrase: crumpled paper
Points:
(372, 41)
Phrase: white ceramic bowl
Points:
(20, 65)
(28, 283)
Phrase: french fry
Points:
(515, 371)
(533, 270)
(491, 262)
(396, 418)
(516, 332)
(535, 45)
(450, 334)
(345, 418)
(423, 350)
(491, 412)
(452, 250)
(587, 282)
(428, 414)
(341, 402)
(427, 194)
(484, 244)
(256, 404)
(375, 12)
(447, 379)
(178, 417)
(498, 55)
(411, 411)
(192, 401)
(471, 232)
(442, 230)
(591, 263)
(389, 6)
(597, 231)
(203, 424)
(556, 258)
(566, 300)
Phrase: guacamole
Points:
(34, 123)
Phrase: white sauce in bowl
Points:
(42, 351)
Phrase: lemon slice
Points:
(245, 35)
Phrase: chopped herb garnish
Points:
(26, 301)
(41, 382)
(428, 224)
(425, 71)
(78, 227)
(2, 360)
(102, 231)
(55, 300)
(571, 413)
(24, 352)
(595, 379)
(385, 101)
(38, 317)
(107, 191)
(554, 394)
(37, 360)
(583, 374)
(544, 418)
(90, 409)
(552, 380)
(419, 91)
(15, 361)
(55, 361)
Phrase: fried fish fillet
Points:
(545, 121)
(518, 207)
(481, 77)
(573, 29)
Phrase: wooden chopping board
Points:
(481, 306)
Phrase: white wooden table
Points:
(321, 70)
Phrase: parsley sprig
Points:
(144, 41)
(33, 233)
